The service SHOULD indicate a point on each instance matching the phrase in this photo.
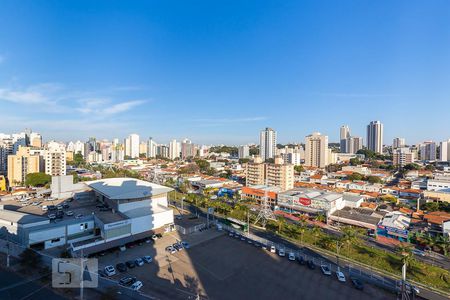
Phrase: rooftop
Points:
(127, 188)
(20, 218)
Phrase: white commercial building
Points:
(267, 143)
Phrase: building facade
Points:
(316, 150)
(375, 136)
(267, 143)
(21, 164)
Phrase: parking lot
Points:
(221, 267)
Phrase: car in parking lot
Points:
(127, 281)
(171, 249)
(264, 246)
(36, 203)
(185, 245)
(325, 270)
(311, 264)
(44, 207)
(148, 259)
(139, 262)
(281, 252)
(79, 216)
(121, 267)
(51, 207)
(249, 241)
(357, 283)
(231, 234)
(177, 246)
(52, 216)
(273, 249)
(340, 276)
(291, 256)
(69, 213)
(301, 260)
(110, 271)
(65, 205)
(242, 238)
(130, 264)
(59, 214)
(137, 285)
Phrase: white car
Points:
(325, 270)
(340, 276)
(136, 286)
(282, 253)
(291, 256)
(110, 271)
(44, 207)
(273, 249)
(139, 262)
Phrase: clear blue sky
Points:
(219, 71)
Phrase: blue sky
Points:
(219, 71)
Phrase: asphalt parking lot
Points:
(217, 266)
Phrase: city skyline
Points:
(161, 72)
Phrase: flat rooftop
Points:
(312, 194)
(127, 188)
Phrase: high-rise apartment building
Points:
(444, 154)
(6, 149)
(273, 174)
(427, 151)
(174, 149)
(402, 156)
(35, 140)
(188, 149)
(316, 150)
(55, 159)
(344, 134)
(255, 172)
(267, 143)
(132, 145)
(398, 143)
(354, 143)
(163, 151)
(151, 148)
(244, 151)
(21, 164)
(375, 136)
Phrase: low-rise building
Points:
(394, 225)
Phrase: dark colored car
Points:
(65, 205)
(51, 207)
(159, 235)
(301, 260)
(310, 264)
(357, 283)
(121, 267)
(127, 281)
(59, 214)
(130, 264)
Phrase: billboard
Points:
(304, 201)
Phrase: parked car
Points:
(301, 260)
(122, 248)
(79, 216)
(291, 256)
(273, 249)
(264, 246)
(148, 259)
(137, 285)
(357, 283)
(52, 216)
(127, 281)
(419, 252)
(325, 270)
(249, 241)
(282, 253)
(139, 262)
(311, 265)
(59, 207)
(185, 245)
(177, 246)
(110, 271)
(59, 214)
(69, 213)
(44, 207)
(231, 234)
(65, 205)
(121, 267)
(36, 203)
(130, 264)
(51, 207)
(242, 238)
(340, 276)
(171, 249)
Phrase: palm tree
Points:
(302, 229)
(406, 254)
(316, 231)
(349, 236)
(281, 223)
(321, 218)
(444, 244)
(431, 241)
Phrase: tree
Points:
(355, 176)
(281, 223)
(189, 169)
(302, 229)
(406, 254)
(374, 179)
(202, 164)
(316, 231)
(299, 169)
(430, 240)
(321, 218)
(349, 236)
(37, 179)
(389, 198)
(431, 206)
(244, 160)
(355, 161)
(411, 166)
(444, 243)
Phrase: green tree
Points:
(406, 254)
(315, 232)
(374, 179)
(430, 240)
(431, 206)
(281, 221)
(37, 179)
(444, 243)
(299, 169)
(355, 161)
(302, 229)
(203, 165)
(321, 218)
(244, 160)
(349, 236)
(355, 176)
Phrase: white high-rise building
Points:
(444, 154)
(35, 140)
(244, 151)
(151, 148)
(267, 143)
(316, 150)
(354, 143)
(398, 143)
(427, 151)
(132, 146)
(55, 159)
(344, 134)
(375, 136)
(174, 149)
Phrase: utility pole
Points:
(265, 212)
(81, 275)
